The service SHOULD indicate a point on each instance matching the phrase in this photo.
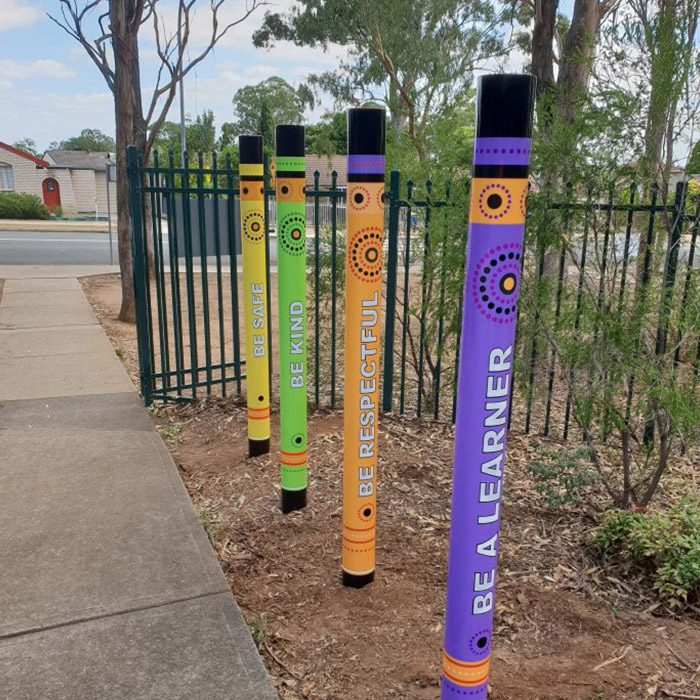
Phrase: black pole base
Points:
(293, 500)
(357, 581)
(258, 447)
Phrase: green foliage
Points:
(200, 137)
(329, 136)
(171, 431)
(414, 56)
(27, 145)
(209, 519)
(664, 546)
(16, 205)
(563, 476)
(692, 167)
(258, 629)
(286, 104)
(331, 261)
(267, 127)
(89, 140)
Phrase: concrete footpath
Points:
(109, 588)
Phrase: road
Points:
(35, 248)
(29, 248)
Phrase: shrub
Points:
(562, 476)
(15, 205)
(666, 547)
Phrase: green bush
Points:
(562, 476)
(15, 205)
(665, 546)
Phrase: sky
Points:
(50, 90)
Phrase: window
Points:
(7, 178)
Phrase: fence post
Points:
(671, 265)
(669, 281)
(138, 254)
(392, 266)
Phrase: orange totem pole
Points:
(363, 280)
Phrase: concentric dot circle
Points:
(480, 643)
(523, 199)
(359, 198)
(254, 226)
(292, 233)
(495, 201)
(365, 252)
(285, 190)
(495, 282)
(365, 513)
(380, 197)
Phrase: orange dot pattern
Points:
(465, 673)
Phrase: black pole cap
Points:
(289, 140)
(250, 149)
(367, 131)
(505, 105)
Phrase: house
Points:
(325, 166)
(74, 181)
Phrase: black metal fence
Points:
(190, 326)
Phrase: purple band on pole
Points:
(366, 165)
(502, 151)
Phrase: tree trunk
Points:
(664, 51)
(123, 44)
(542, 44)
(664, 63)
(577, 57)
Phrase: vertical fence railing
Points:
(186, 284)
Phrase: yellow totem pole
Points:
(255, 293)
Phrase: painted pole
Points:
(497, 221)
(290, 178)
(250, 149)
(363, 281)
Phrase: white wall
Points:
(81, 190)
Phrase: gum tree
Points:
(109, 31)
(417, 57)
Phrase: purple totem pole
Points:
(505, 106)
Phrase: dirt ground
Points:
(566, 628)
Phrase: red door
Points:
(52, 193)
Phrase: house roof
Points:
(325, 167)
(81, 160)
(24, 154)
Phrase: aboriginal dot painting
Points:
(291, 296)
(500, 201)
(492, 283)
(366, 198)
(254, 226)
(495, 281)
(292, 233)
(365, 252)
(290, 189)
(255, 294)
(363, 293)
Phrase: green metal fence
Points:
(187, 293)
